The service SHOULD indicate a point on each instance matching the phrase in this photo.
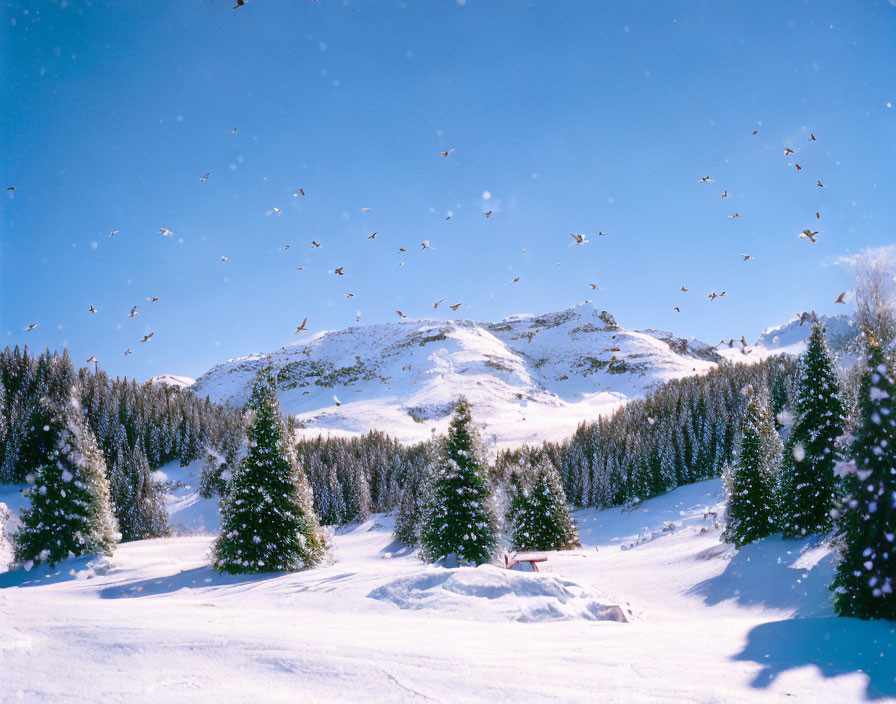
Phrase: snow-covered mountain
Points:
(528, 377)
(172, 380)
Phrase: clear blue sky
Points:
(574, 116)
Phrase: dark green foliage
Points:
(137, 499)
(70, 512)
(458, 521)
(538, 513)
(752, 476)
(865, 582)
(808, 482)
(267, 515)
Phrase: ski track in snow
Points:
(706, 623)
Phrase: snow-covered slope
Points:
(528, 377)
(172, 380)
(705, 622)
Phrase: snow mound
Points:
(489, 593)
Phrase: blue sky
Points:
(572, 116)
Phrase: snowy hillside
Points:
(702, 622)
(528, 377)
(172, 380)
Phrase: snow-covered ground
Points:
(704, 623)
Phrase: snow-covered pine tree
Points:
(538, 513)
(458, 520)
(808, 482)
(70, 513)
(865, 583)
(267, 515)
(751, 478)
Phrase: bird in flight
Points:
(426, 245)
(808, 235)
(203, 178)
(812, 137)
(445, 153)
(736, 215)
(225, 259)
(153, 299)
(840, 298)
(817, 215)
(276, 210)
(436, 304)
(798, 167)
(301, 190)
(819, 183)
(338, 271)
(789, 151)
(747, 256)
(401, 249)
(127, 352)
(233, 131)
(579, 238)
(314, 244)
(146, 337)
(302, 326)
(515, 280)
(349, 295)
(455, 306)
(165, 231)
(10, 188)
(683, 289)
(336, 400)
(705, 179)
(365, 210)
(31, 327)
(677, 309)
(133, 313)
(113, 233)
(400, 314)
(92, 310)
(489, 213)
(713, 296)
(755, 132)
(91, 358)
(372, 236)
(725, 193)
(594, 287)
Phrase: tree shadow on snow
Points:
(77, 568)
(197, 578)
(763, 574)
(836, 646)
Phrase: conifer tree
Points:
(751, 478)
(70, 513)
(458, 519)
(539, 515)
(865, 582)
(267, 515)
(808, 482)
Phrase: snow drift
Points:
(495, 594)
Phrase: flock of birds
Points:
(579, 239)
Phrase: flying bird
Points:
(725, 193)
(401, 249)
(594, 287)
(239, 3)
(683, 289)
(705, 179)
(426, 245)
(489, 213)
(840, 298)
(789, 151)
(579, 238)
(372, 236)
(338, 271)
(336, 400)
(127, 352)
(203, 178)
(314, 244)
(133, 313)
(349, 295)
(400, 314)
(165, 231)
(812, 137)
(153, 299)
(446, 153)
(713, 296)
(91, 358)
(436, 304)
(820, 184)
(113, 233)
(365, 210)
(92, 310)
(798, 167)
(225, 259)
(601, 234)
(747, 256)
(455, 306)
(808, 235)
(817, 215)
(233, 131)
(146, 337)
(10, 188)
(736, 215)
(31, 327)
(677, 309)
(301, 190)
(276, 210)
(302, 326)
(755, 132)
(515, 280)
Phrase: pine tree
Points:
(808, 482)
(865, 581)
(458, 521)
(539, 515)
(750, 479)
(267, 515)
(70, 513)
